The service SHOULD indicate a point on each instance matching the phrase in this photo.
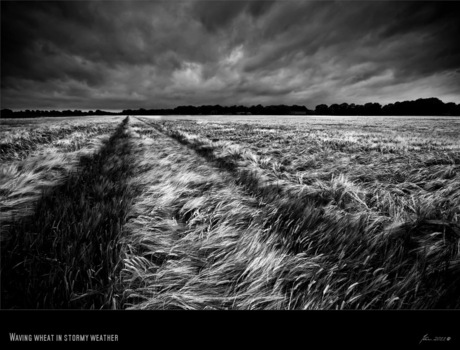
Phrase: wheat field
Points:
(230, 212)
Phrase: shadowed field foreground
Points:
(191, 214)
(65, 255)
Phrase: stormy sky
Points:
(156, 54)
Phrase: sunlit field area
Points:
(231, 212)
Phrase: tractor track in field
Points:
(196, 239)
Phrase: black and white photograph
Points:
(228, 157)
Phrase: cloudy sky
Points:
(156, 54)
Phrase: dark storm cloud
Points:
(394, 33)
(128, 54)
(219, 14)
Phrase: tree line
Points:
(8, 113)
(428, 106)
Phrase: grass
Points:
(314, 213)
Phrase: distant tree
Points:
(322, 109)
(258, 110)
(343, 109)
(6, 113)
(334, 109)
(372, 109)
(429, 106)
